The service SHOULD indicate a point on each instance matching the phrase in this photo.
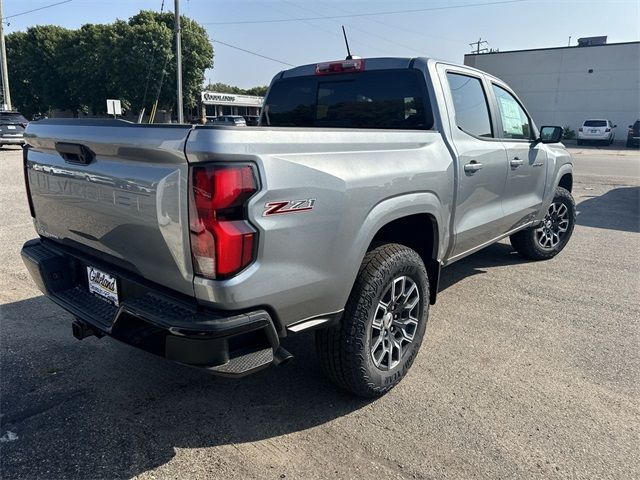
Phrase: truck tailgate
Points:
(124, 200)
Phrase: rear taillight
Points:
(606, 130)
(25, 151)
(222, 240)
(580, 129)
(342, 66)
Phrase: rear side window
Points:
(470, 104)
(595, 123)
(384, 99)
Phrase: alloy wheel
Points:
(395, 322)
(554, 226)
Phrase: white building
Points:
(215, 104)
(567, 85)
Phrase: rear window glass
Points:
(385, 99)
(595, 123)
(11, 118)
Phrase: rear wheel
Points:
(546, 240)
(384, 322)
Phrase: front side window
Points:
(515, 121)
(470, 104)
(382, 99)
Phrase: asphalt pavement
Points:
(528, 370)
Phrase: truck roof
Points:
(375, 63)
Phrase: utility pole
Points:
(6, 95)
(477, 46)
(178, 61)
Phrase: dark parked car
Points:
(12, 126)
(633, 135)
(252, 120)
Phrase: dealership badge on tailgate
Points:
(103, 285)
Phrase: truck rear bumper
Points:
(157, 321)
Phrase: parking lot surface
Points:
(528, 370)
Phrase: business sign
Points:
(114, 107)
(215, 98)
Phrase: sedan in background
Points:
(252, 120)
(230, 120)
(12, 126)
(596, 130)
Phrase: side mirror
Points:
(615, 126)
(630, 126)
(550, 134)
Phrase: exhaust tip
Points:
(281, 356)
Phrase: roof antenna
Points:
(349, 56)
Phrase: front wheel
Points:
(547, 239)
(384, 322)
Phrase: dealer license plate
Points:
(103, 285)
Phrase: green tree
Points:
(197, 56)
(225, 88)
(36, 71)
(53, 67)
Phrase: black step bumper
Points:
(155, 320)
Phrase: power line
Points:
(252, 53)
(366, 32)
(394, 12)
(37, 9)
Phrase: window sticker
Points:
(512, 123)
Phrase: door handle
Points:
(472, 167)
(75, 153)
(516, 162)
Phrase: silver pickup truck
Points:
(209, 244)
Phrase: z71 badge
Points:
(293, 206)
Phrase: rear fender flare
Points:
(392, 209)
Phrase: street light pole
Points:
(6, 95)
(178, 61)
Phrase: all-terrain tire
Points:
(344, 350)
(526, 242)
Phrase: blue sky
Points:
(444, 34)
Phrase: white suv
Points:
(597, 130)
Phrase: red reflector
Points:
(222, 240)
(234, 246)
(342, 66)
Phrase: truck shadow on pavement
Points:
(101, 409)
(496, 255)
(618, 209)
